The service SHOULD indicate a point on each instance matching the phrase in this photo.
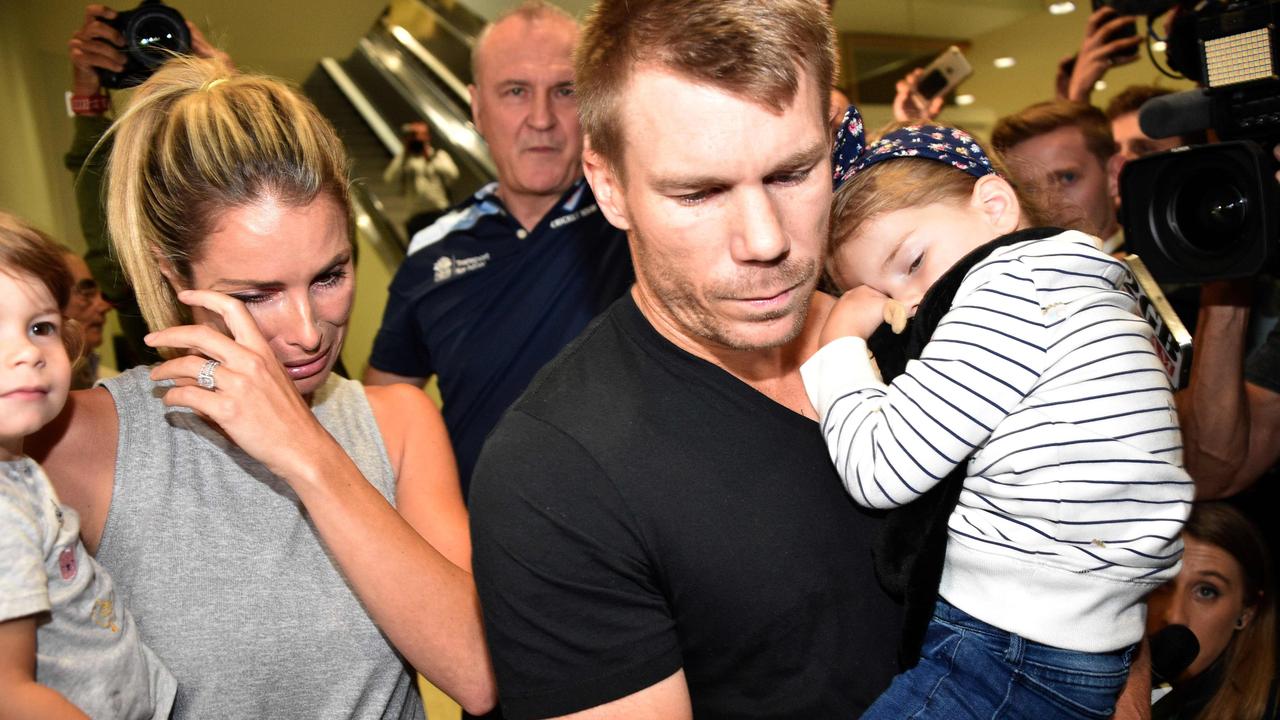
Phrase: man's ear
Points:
(1114, 165)
(474, 92)
(604, 183)
(998, 201)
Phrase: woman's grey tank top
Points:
(226, 577)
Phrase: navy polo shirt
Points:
(484, 304)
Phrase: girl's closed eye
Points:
(915, 264)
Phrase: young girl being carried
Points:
(68, 649)
(1041, 383)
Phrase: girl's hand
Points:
(857, 313)
(253, 400)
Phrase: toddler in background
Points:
(67, 649)
(1041, 383)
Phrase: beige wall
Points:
(281, 37)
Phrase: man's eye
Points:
(515, 91)
(1066, 178)
(44, 329)
(695, 198)
(790, 178)
(566, 92)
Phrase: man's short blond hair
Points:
(754, 49)
(529, 11)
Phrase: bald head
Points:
(517, 20)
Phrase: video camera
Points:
(153, 33)
(1210, 211)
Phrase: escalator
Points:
(414, 64)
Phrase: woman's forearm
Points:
(425, 604)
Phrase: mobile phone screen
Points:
(932, 84)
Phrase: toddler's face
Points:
(903, 252)
(34, 370)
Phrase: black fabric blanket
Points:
(912, 542)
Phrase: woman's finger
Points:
(187, 367)
(234, 315)
(202, 339)
(211, 406)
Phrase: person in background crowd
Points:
(288, 540)
(1104, 46)
(1230, 410)
(88, 308)
(96, 45)
(658, 530)
(494, 289)
(424, 174)
(1062, 149)
(1225, 593)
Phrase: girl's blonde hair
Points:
(27, 252)
(908, 182)
(198, 139)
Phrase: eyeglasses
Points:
(86, 289)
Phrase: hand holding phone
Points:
(920, 94)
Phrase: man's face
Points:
(1074, 178)
(86, 305)
(1133, 144)
(726, 206)
(524, 106)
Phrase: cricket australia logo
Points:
(443, 269)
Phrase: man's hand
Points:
(909, 105)
(1098, 53)
(95, 45)
(857, 313)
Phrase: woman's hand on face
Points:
(253, 400)
(857, 313)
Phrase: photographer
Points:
(1230, 412)
(1100, 50)
(96, 45)
(424, 174)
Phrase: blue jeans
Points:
(970, 670)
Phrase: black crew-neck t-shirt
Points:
(640, 510)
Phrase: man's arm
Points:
(665, 700)
(1230, 427)
(575, 613)
(373, 376)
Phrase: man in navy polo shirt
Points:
(494, 289)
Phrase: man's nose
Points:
(760, 236)
(540, 115)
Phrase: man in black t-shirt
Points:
(658, 531)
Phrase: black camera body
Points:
(1212, 212)
(153, 33)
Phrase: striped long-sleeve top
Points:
(1043, 379)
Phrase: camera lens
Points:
(1210, 211)
(155, 37)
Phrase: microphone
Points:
(1173, 649)
(1176, 114)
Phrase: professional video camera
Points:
(1210, 211)
(153, 33)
